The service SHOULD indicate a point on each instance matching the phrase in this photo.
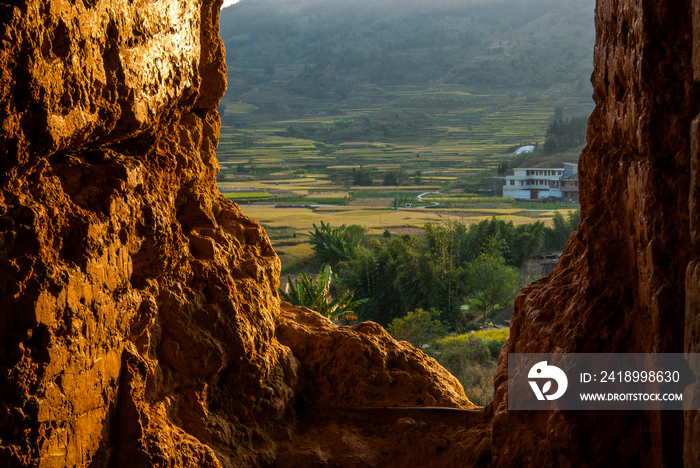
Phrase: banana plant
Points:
(332, 245)
(316, 295)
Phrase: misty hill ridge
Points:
(329, 47)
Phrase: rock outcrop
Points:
(139, 319)
(628, 279)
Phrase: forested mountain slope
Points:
(324, 49)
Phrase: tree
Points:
(440, 270)
(558, 112)
(372, 273)
(555, 238)
(392, 178)
(524, 241)
(332, 245)
(295, 132)
(503, 168)
(361, 177)
(417, 177)
(316, 295)
(564, 134)
(574, 218)
(493, 281)
(521, 241)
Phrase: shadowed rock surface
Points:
(628, 279)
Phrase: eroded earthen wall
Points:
(627, 281)
(139, 307)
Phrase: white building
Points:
(537, 183)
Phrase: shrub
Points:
(471, 358)
(419, 327)
(476, 379)
(456, 349)
(494, 339)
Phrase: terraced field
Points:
(292, 172)
(442, 133)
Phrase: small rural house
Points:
(537, 183)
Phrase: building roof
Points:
(539, 168)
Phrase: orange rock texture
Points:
(140, 324)
(628, 280)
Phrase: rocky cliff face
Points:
(628, 279)
(139, 319)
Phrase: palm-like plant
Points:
(332, 245)
(316, 295)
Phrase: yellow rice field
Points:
(377, 220)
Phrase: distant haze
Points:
(383, 7)
(404, 3)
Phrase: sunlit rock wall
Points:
(628, 279)
(138, 307)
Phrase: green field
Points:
(430, 155)
(247, 196)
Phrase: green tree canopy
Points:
(362, 177)
(493, 281)
(565, 134)
(438, 271)
(418, 327)
(333, 245)
(555, 238)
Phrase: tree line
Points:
(565, 134)
(463, 272)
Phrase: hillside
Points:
(329, 49)
(447, 89)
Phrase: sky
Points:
(229, 2)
